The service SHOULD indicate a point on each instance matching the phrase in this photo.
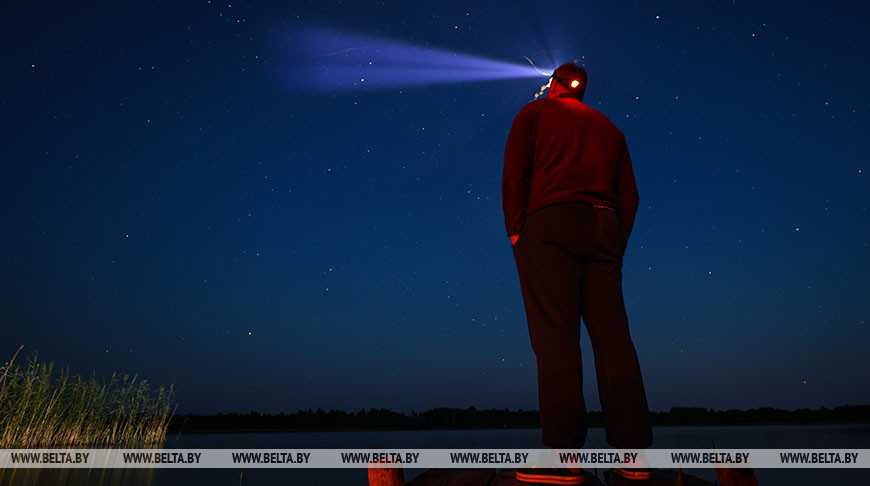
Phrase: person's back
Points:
(568, 151)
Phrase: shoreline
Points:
(411, 429)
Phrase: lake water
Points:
(749, 437)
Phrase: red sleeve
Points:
(626, 190)
(518, 155)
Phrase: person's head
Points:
(568, 78)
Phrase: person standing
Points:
(569, 198)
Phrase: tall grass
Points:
(37, 410)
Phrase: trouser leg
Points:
(550, 280)
(620, 384)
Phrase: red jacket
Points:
(560, 149)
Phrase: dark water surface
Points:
(748, 437)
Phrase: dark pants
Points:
(569, 260)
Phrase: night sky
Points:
(185, 199)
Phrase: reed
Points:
(41, 408)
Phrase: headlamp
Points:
(573, 84)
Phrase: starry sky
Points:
(174, 207)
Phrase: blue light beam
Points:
(330, 61)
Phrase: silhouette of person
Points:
(569, 200)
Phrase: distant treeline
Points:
(448, 418)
